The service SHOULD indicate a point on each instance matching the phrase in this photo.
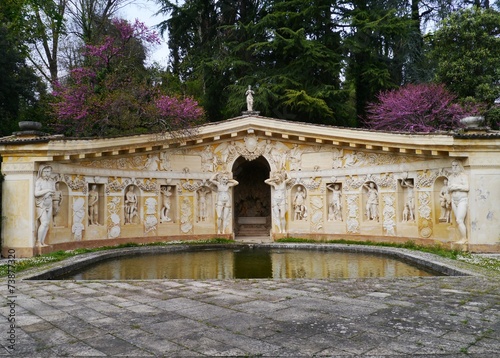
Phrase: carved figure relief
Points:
(458, 186)
(371, 206)
(208, 160)
(316, 213)
(186, 216)
(278, 181)
(131, 206)
(150, 222)
(352, 214)
(337, 158)
(335, 202)
(57, 199)
(299, 203)
(295, 158)
(44, 192)
(152, 162)
(78, 216)
(165, 161)
(223, 201)
(389, 215)
(114, 204)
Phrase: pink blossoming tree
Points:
(417, 108)
(112, 93)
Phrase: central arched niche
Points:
(252, 197)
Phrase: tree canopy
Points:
(318, 61)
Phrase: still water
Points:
(248, 263)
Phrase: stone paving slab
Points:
(456, 316)
(432, 316)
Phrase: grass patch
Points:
(489, 263)
(37, 261)
(411, 245)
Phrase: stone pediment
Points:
(68, 149)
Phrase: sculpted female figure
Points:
(372, 202)
(223, 204)
(458, 186)
(279, 181)
(249, 93)
(93, 206)
(44, 190)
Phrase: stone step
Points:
(253, 230)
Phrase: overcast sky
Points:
(144, 11)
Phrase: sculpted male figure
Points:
(44, 190)
(223, 204)
(130, 205)
(166, 193)
(279, 181)
(458, 186)
(335, 206)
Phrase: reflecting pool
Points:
(243, 263)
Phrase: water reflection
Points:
(248, 263)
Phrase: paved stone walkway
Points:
(433, 316)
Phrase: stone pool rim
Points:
(444, 266)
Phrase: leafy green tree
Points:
(466, 48)
(21, 92)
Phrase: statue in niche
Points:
(335, 204)
(93, 206)
(57, 199)
(371, 208)
(202, 203)
(166, 193)
(299, 206)
(295, 158)
(409, 207)
(130, 205)
(458, 186)
(208, 160)
(249, 94)
(44, 191)
(223, 204)
(445, 202)
(279, 181)
(152, 162)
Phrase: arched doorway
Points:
(252, 197)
